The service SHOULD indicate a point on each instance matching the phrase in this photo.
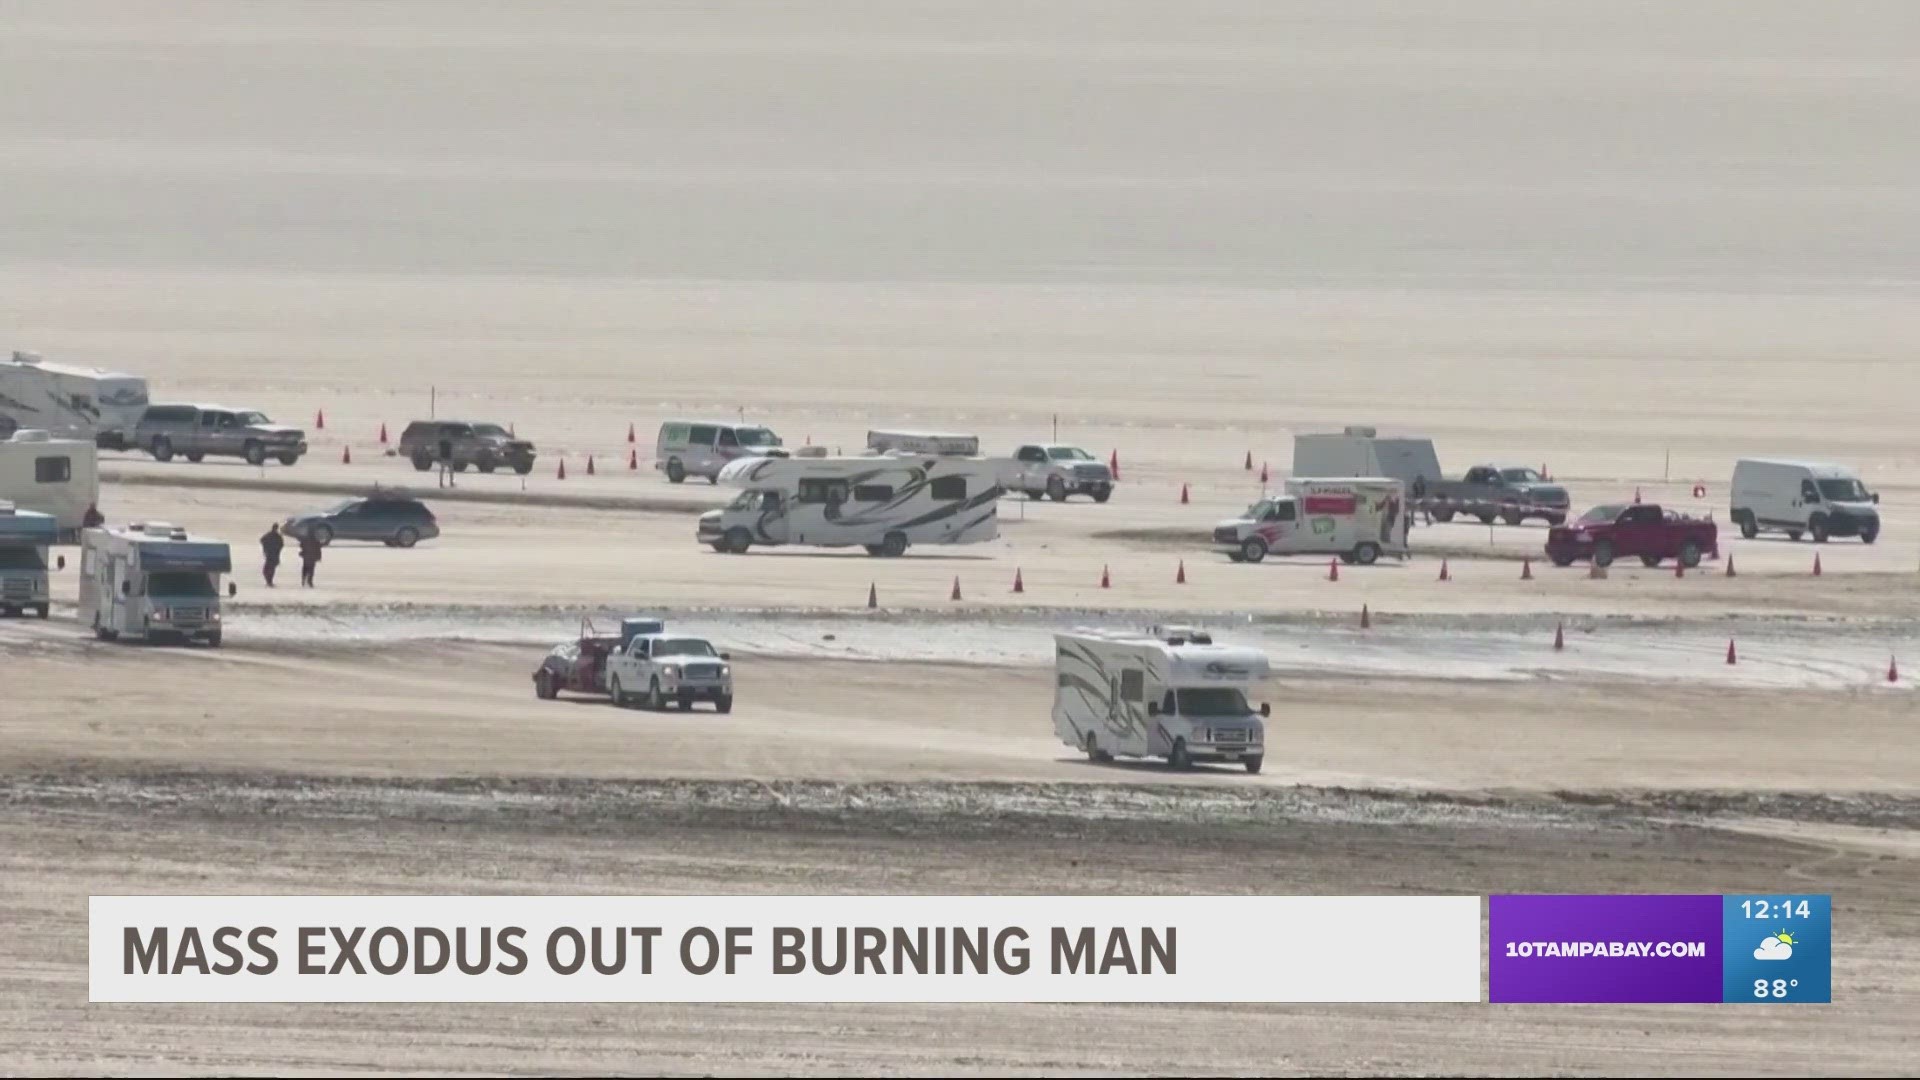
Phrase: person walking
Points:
(309, 558)
(270, 544)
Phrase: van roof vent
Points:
(1361, 431)
(1181, 635)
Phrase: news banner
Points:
(1735, 949)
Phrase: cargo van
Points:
(1802, 498)
(1358, 520)
(702, 448)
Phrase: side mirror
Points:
(126, 588)
(1153, 708)
(233, 589)
(726, 656)
(60, 561)
(1876, 498)
(1266, 709)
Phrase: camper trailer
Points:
(53, 476)
(923, 442)
(152, 582)
(24, 539)
(882, 503)
(99, 406)
(1169, 693)
(1358, 520)
(1360, 451)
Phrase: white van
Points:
(703, 447)
(1803, 497)
(1359, 520)
(1169, 693)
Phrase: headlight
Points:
(161, 615)
(213, 616)
(671, 670)
(726, 669)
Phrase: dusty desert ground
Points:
(1630, 245)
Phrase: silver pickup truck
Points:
(200, 431)
(1053, 471)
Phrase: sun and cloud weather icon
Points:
(1775, 947)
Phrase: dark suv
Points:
(394, 519)
(484, 446)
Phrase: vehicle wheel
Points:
(1795, 535)
(1561, 560)
(618, 695)
(686, 704)
(195, 456)
(422, 462)
(1253, 549)
(1236, 555)
(1869, 534)
(1034, 494)
(1443, 515)
(1253, 763)
(1817, 525)
(486, 466)
(1101, 495)
(406, 537)
(1554, 521)
(1486, 517)
(543, 687)
(1056, 489)
(1094, 753)
(738, 540)
(289, 458)
(893, 545)
(676, 472)
(523, 467)
(1512, 517)
(255, 453)
(1749, 528)
(724, 703)
(213, 640)
(41, 610)
(323, 535)
(1603, 553)
(1178, 758)
(656, 700)
(1690, 554)
(721, 546)
(162, 448)
(1367, 554)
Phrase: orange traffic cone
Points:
(633, 461)
(346, 455)
(1019, 585)
(873, 596)
(320, 420)
(1366, 618)
(1263, 474)
(383, 434)
(1560, 636)
(1113, 465)
(1333, 569)
(1183, 495)
(956, 588)
(511, 434)
(1445, 574)
(1526, 569)
(1636, 496)
(1732, 656)
(630, 433)
(1249, 465)
(1679, 569)
(1106, 580)
(1730, 572)
(1893, 669)
(589, 464)
(1816, 564)
(1543, 473)
(1180, 574)
(561, 473)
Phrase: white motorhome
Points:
(1169, 693)
(923, 442)
(53, 476)
(1360, 451)
(100, 406)
(1357, 519)
(882, 503)
(1803, 497)
(24, 539)
(152, 582)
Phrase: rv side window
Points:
(948, 487)
(1133, 685)
(52, 470)
(700, 435)
(823, 491)
(872, 492)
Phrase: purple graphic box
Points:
(1604, 948)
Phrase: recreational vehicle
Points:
(24, 539)
(99, 406)
(883, 503)
(923, 442)
(1169, 693)
(1359, 520)
(152, 582)
(54, 476)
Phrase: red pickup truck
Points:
(1606, 533)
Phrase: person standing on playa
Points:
(446, 462)
(270, 544)
(309, 558)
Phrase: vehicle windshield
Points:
(1848, 490)
(1068, 453)
(1259, 511)
(339, 508)
(683, 647)
(756, 436)
(1520, 476)
(490, 431)
(1600, 514)
(747, 500)
(21, 558)
(252, 418)
(180, 583)
(1212, 701)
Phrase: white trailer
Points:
(1168, 693)
(102, 407)
(24, 539)
(1359, 520)
(53, 476)
(1359, 451)
(152, 582)
(923, 442)
(882, 503)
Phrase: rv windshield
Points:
(683, 647)
(253, 419)
(1212, 701)
(1847, 490)
(746, 500)
(180, 583)
(1068, 453)
(21, 558)
(756, 436)
(1601, 514)
(1520, 476)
